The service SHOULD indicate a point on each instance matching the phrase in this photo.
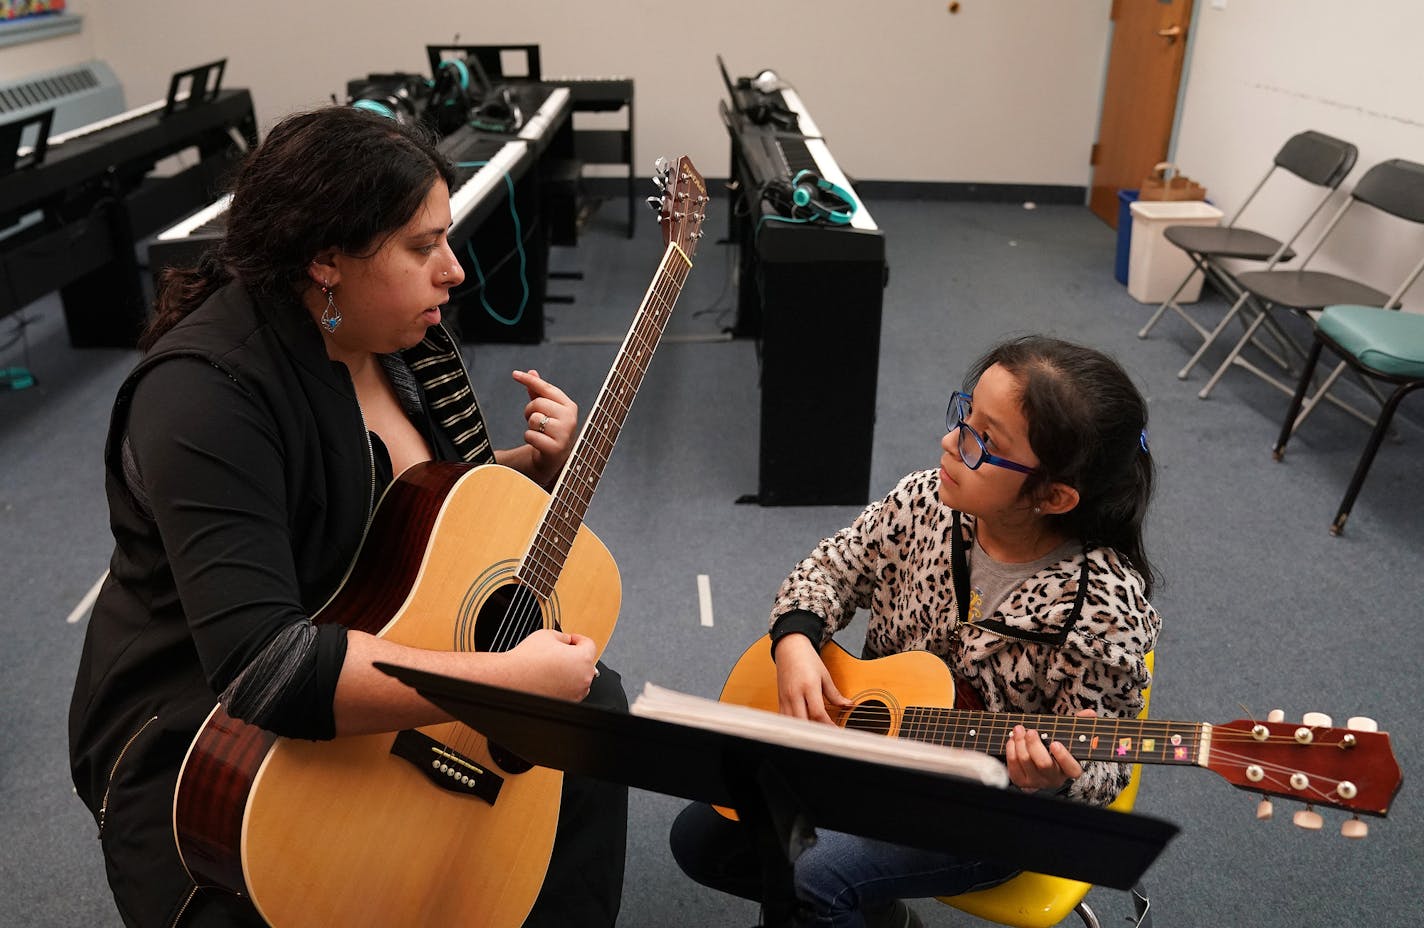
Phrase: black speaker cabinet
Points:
(820, 349)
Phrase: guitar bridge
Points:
(445, 767)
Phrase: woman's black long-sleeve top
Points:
(256, 477)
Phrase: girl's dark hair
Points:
(337, 177)
(1087, 425)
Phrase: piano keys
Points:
(506, 243)
(95, 197)
(811, 292)
(477, 191)
(138, 137)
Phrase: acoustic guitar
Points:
(435, 826)
(912, 695)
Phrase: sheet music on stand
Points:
(668, 705)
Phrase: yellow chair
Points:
(1036, 900)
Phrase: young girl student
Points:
(1019, 561)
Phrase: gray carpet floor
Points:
(1262, 607)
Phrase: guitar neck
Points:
(571, 495)
(1136, 741)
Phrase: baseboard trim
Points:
(958, 191)
(871, 190)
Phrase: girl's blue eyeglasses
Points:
(971, 444)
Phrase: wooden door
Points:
(1140, 100)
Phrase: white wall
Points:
(25, 58)
(1004, 91)
(1262, 70)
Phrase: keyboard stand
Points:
(15, 157)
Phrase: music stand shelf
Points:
(791, 791)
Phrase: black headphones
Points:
(450, 97)
(811, 198)
(772, 114)
(498, 112)
(395, 96)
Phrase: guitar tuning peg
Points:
(1354, 828)
(1276, 715)
(1361, 723)
(1308, 818)
(656, 203)
(1264, 810)
(1316, 720)
(663, 167)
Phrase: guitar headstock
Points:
(1351, 768)
(683, 204)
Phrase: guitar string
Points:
(517, 625)
(663, 294)
(538, 570)
(929, 717)
(1221, 739)
(522, 612)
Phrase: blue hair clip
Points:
(1142, 441)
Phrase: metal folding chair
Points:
(1318, 159)
(1380, 343)
(1395, 187)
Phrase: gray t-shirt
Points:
(990, 580)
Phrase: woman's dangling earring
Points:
(331, 316)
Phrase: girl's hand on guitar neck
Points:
(803, 683)
(1034, 765)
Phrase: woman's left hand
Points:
(550, 427)
(1034, 765)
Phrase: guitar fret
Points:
(573, 492)
(1118, 740)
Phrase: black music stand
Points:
(12, 135)
(787, 792)
(202, 84)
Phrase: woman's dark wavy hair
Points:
(334, 177)
(1086, 424)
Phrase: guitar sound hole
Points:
(872, 716)
(511, 614)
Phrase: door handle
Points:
(1170, 33)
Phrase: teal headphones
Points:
(375, 106)
(462, 73)
(806, 192)
(450, 97)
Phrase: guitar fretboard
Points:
(571, 495)
(1146, 741)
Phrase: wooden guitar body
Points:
(434, 826)
(910, 678)
(913, 695)
(346, 832)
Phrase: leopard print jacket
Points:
(894, 560)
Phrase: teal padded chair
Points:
(1383, 344)
(1394, 188)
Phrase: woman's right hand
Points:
(803, 683)
(554, 663)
